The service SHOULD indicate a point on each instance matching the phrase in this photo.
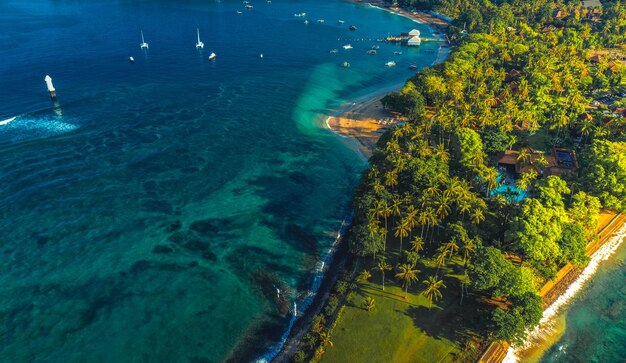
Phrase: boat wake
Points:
(29, 126)
(4, 122)
(546, 325)
(299, 308)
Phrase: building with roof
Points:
(414, 41)
(558, 162)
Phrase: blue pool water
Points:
(150, 213)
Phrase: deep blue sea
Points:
(152, 212)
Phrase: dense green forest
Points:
(523, 72)
(528, 77)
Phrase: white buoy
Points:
(261, 56)
(53, 92)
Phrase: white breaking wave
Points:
(546, 325)
(307, 300)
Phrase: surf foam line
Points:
(547, 321)
(300, 308)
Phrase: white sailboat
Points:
(212, 56)
(199, 44)
(143, 44)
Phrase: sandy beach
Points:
(364, 123)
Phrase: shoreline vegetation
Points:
(494, 172)
(360, 122)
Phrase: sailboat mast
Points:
(198, 29)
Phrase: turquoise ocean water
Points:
(150, 215)
(596, 319)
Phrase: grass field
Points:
(400, 330)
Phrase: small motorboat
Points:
(352, 27)
(345, 64)
(212, 56)
(306, 22)
(143, 44)
(340, 21)
(299, 15)
(412, 67)
(320, 21)
(347, 46)
(375, 46)
(261, 56)
(131, 59)
(248, 6)
(239, 12)
(390, 64)
(334, 51)
(371, 51)
(397, 52)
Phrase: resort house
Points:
(558, 162)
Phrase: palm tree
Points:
(469, 246)
(432, 290)
(391, 178)
(383, 266)
(411, 218)
(441, 257)
(402, 230)
(395, 207)
(364, 276)
(378, 186)
(417, 244)
(369, 303)
(408, 274)
(523, 156)
(382, 209)
(477, 216)
(443, 207)
(423, 219)
(442, 153)
(451, 247)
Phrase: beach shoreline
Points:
(558, 293)
(360, 122)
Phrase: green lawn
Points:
(400, 330)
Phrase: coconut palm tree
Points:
(433, 289)
(369, 303)
(523, 156)
(377, 186)
(417, 244)
(391, 178)
(477, 216)
(442, 254)
(383, 266)
(452, 247)
(442, 153)
(408, 275)
(364, 276)
(402, 230)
